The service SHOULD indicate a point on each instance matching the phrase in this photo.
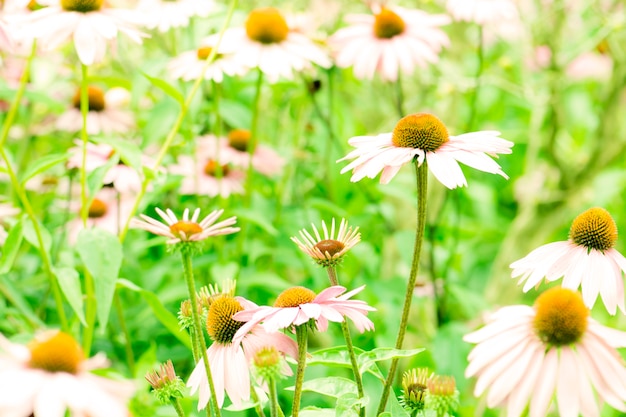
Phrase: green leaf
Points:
(16, 298)
(101, 252)
(235, 114)
(167, 88)
(69, 281)
(31, 236)
(332, 386)
(95, 177)
(161, 313)
(11, 247)
(338, 356)
(396, 409)
(129, 152)
(348, 404)
(42, 164)
(367, 359)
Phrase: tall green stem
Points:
(197, 334)
(258, 407)
(128, 347)
(302, 340)
(179, 409)
(399, 97)
(332, 276)
(273, 398)
(84, 109)
(421, 173)
(253, 134)
(478, 79)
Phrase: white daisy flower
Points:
(190, 65)
(164, 15)
(532, 354)
(482, 11)
(390, 40)
(328, 251)
(424, 137)
(587, 259)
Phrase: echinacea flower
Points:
(424, 137)
(269, 44)
(104, 116)
(230, 359)
(297, 305)
(482, 11)
(164, 15)
(587, 259)
(234, 150)
(328, 251)
(389, 41)
(191, 65)
(186, 229)
(166, 385)
(529, 354)
(91, 23)
(201, 177)
(51, 376)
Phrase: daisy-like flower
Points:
(105, 114)
(482, 11)
(230, 359)
(268, 43)
(527, 354)
(164, 15)
(298, 305)
(91, 23)
(328, 251)
(425, 137)
(587, 259)
(201, 177)
(50, 376)
(390, 40)
(234, 150)
(190, 65)
(187, 229)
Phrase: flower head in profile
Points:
(191, 65)
(298, 305)
(187, 229)
(90, 23)
(587, 259)
(329, 250)
(414, 389)
(529, 354)
(424, 137)
(164, 15)
(482, 11)
(51, 375)
(389, 41)
(105, 114)
(230, 359)
(268, 43)
(166, 385)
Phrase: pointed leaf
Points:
(332, 386)
(167, 88)
(101, 252)
(31, 235)
(69, 281)
(42, 164)
(367, 359)
(338, 356)
(11, 247)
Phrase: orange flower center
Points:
(294, 296)
(184, 229)
(97, 209)
(239, 139)
(330, 245)
(560, 316)
(55, 352)
(95, 97)
(388, 24)
(33, 5)
(219, 322)
(83, 6)
(204, 52)
(266, 25)
(420, 131)
(211, 167)
(594, 229)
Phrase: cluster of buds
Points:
(425, 391)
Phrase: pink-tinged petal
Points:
(604, 273)
(282, 318)
(446, 170)
(567, 394)
(596, 374)
(495, 328)
(85, 41)
(311, 310)
(328, 293)
(500, 365)
(507, 382)
(518, 398)
(573, 277)
(587, 400)
(544, 389)
(486, 352)
(48, 402)
(217, 361)
(590, 283)
(237, 378)
(614, 338)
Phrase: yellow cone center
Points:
(294, 296)
(388, 24)
(211, 166)
(239, 139)
(266, 25)
(420, 131)
(204, 52)
(55, 352)
(95, 98)
(97, 209)
(560, 316)
(219, 323)
(594, 229)
(184, 229)
(83, 6)
(330, 245)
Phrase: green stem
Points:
(21, 193)
(302, 339)
(199, 336)
(478, 79)
(179, 120)
(399, 97)
(258, 408)
(15, 105)
(130, 357)
(177, 407)
(422, 188)
(84, 109)
(332, 276)
(253, 134)
(273, 398)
